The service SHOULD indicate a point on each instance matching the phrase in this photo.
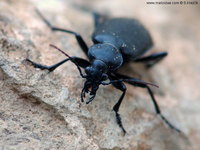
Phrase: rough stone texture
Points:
(43, 111)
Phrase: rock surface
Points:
(41, 110)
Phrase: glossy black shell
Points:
(128, 35)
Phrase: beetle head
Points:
(95, 73)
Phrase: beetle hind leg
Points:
(99, 18)
(96, 18)
(159, 112)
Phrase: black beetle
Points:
(116, 42)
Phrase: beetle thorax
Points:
(107, 53)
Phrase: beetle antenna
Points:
(70, 58)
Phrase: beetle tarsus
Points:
(119, 122)
(44, 67)
(169, 124)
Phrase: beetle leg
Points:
(50, 68)
(96, 18)
(143, 85)
(79, 39)
(121, 87)
(99, 18)
(81, 62)
(152, 59)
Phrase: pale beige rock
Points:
(43, 111)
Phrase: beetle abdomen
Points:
(133, 38)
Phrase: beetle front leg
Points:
(44, 67)
(81, 62)
(116, 107)
(120, 86)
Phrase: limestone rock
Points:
(41, 110)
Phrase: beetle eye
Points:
(104, 77)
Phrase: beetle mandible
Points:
(116, 42)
